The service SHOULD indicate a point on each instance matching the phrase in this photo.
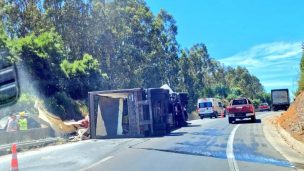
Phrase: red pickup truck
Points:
(264, 107)
(240, 108)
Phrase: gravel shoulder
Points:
(291, 148)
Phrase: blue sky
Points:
(263, 35)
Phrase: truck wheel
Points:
(202, 117)
(186, 115)
(230, 120)
(253, 119)
(215, 114)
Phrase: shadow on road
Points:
(176, 133)
(190, 125)
(248, 121)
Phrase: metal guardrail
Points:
(30, 143)
(23, 136)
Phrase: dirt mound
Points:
(293, 119)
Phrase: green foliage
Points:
(264, 97)
(83, 108)
(301, 80)
(41, 55)
(6, 56)
(202, 76)
(83, 67)
(48, 45)
(221, 90)
(28, 99)
(256, 102)
(22, 18)
(74, 46)
(63, 106)
(231, 97)
(82, 75)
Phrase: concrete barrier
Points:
(20, 136)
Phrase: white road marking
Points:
(97, 163)
(229, 151)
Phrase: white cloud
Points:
(261, 55)
(287, 54)
(240, 60)
(275, 64)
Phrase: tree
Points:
(301, 80)
(70, 47)
(41, 55)
(22, 17)
(82, 76)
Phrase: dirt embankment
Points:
(293, 119)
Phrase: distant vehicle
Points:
(210, 107)
(264, 107)
(280, 99)
(240, 108)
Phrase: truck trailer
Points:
(280, 99)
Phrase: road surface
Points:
(209, 144)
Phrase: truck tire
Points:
(202, 117)
(215, 114)
(186, 115)
(253, 119)
(230, 120)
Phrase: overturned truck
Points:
(136, 112)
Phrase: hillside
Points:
(293, 119)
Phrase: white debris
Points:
(166, 86)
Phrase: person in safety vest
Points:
(22, 122)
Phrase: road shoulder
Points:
(290, 148)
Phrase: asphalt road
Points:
(209, 144)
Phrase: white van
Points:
(210, 107)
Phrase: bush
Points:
(83, 108)
(63, 106)
(256, 102)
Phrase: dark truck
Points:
(240, 108)
(280, 99)
(9, 89)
